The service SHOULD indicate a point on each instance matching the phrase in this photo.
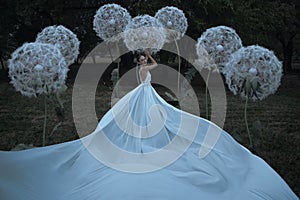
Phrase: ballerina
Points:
(142, 148)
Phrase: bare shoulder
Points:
(149, 67)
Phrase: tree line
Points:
(272, 24)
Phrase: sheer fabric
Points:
(141, 123)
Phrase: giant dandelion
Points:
(219, 42)
(144, 31)
(64, 39)
(38, 69)
(175, 23)
(254, 73)
(109, 23)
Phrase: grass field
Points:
(21, 121)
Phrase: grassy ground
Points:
(21, 121)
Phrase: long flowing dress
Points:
(143, 148)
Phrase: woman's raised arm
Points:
(153, 62)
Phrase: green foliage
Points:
(256, 133)
(256, 21)
(7, 32)
(115, 76)
(260, 22)
(20, 147)
(190, 74)
(251, 86)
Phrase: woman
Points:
(143, 64)
(143, 148)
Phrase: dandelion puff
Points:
(219, 42)
(204, 61)
(144, 32)
(110, 21)
(174, 20)
(37, 68)
(259, 66)
(66, 41)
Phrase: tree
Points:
(8, 31)
(256, 21)
(285, 30)
(265, 22)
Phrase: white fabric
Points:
(141, 124)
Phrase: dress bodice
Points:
(147, 79)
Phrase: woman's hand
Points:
(147, 52)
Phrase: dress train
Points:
(128, 138)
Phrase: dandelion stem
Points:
(111, 57)
(118, 60)
(246, 122)
(206, 95)
(179, 65)
(118, 76)
(45, 120)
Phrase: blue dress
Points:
(143, 148)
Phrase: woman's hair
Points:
(137, 58)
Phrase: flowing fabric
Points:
(102, 165)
